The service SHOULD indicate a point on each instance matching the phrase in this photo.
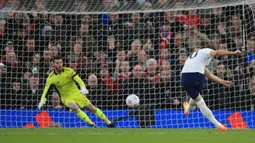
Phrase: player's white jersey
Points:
(197, 61)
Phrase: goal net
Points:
(123, 47)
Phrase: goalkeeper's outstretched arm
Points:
(45, 92)
(77, 78)
(81, 84)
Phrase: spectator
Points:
(111, 48)
(14, 97)
(165, 36)
(121, 56)
(205, 24)
(176, 45)
(152, 71)
(3, 34)
(235, 27)
(238, 42)
(164, 56)
(220, 97)
(55, 101)
(45, 62)
(55, 48)
(148, 47)
(109, 5)
(81, 6)
(28, 51)
(179, 63)
(165, 95)
(174, 23)
(11, 62)
(108, 82)
(165, 65)
(33, 91)
(136, 46)
(135, 28)
(97, 92)
(86, 25)
(2, 70)
(114, 27)
(76, 58)
(132, 55)
(34, 63)
(4, 84)
(250, 99)
(9, 48)
(250, 54)
(4, 7)
(124, 72)
(8, 6)
(142, 58)
(39, 6)
(137, 84)
(101, 60)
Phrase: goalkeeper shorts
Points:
(79, 99)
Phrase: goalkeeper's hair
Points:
(56, 58)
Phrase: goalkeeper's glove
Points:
(84, 91)
(40, 105)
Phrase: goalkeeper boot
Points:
(185, 105)
(222, 128)
(93, 126)
(111, 125)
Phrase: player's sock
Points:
(102, 116)
(207, 112)
(191, 105)
(84, 117)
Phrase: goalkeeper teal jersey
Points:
(65, 82)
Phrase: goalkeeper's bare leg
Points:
(82, 115)
(205, 111)
(100, 115)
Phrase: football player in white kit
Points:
(193, 80)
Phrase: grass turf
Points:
(85, 135)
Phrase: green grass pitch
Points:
(99, 135)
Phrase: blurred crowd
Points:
(123, 53)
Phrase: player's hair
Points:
(56, 58)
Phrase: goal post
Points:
(123, 47)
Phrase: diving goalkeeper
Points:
(65, 79)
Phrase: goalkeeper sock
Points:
(191, 105)
(207, 112)
(102, 116)
(82, 115)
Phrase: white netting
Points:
(104, 40)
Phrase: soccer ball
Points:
(132, 101)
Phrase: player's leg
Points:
(188, 82)
(207, 112)
(193, 84)
(82, 115)
(99, 114)
(84, 102)
(189, 106)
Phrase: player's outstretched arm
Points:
(43, 97)
(81, 84)
(224, 52)
(211, 76)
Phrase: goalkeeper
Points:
(65, 79)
